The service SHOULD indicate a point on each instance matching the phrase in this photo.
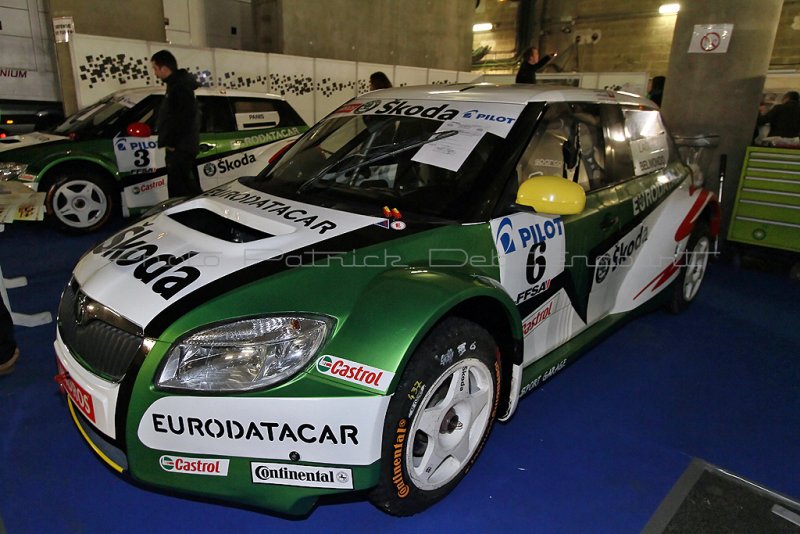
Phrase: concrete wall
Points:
(143, 19)
(632, 35)
(422, 33)
(27, 60)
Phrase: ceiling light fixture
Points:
(669, 9)
(482, 27)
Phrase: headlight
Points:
(244, 355)
(11, 171)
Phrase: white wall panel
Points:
(335, 84)
(103, 65)
(241, 70)
(198, 61)
(442, 77)
(293, 78)
(409, 76)
(16, 22)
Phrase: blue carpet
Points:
(594, 450)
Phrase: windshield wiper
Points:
(408, 145)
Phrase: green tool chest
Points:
(767, 208)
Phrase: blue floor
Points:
(595, 449)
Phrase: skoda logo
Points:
(603, 266)
(80, 309)
(209, 169)
(366, 106)
(504, 236)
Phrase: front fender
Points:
(397, 309)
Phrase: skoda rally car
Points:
(358, 315)
(107, 155)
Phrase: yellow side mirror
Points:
(551, 194)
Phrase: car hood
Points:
(29, 139)
(202, 248)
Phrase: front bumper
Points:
(279, 454)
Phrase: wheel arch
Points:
(413, 303)
(52, 171)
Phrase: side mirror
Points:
(552, 194)
(139, 129)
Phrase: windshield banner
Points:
(492, 117)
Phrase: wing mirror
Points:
(139, 129)
(551, 194)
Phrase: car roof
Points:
(141, 92)
(508, 94)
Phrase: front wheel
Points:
(439, 417)
(693, 269)
(80, 202)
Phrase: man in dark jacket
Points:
(178, 125)
(783, 118)
(530, 64)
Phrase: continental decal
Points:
(397, 463)
(164, 274)
(268, 205)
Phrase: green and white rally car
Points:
(358, 315)
(106, 155)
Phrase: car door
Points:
(547, 262)
(648, 171)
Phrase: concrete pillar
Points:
(719, 93)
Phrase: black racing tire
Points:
(693, 269)
(80, 201)
(439, 417)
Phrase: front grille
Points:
(103, 348)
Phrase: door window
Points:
(215, 114)
(568, 142)
(257, 113)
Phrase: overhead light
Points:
(669, 9)
(482, 27)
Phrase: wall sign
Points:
(710, 38)
(63, 27)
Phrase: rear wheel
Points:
(439, 417)
(80, 201)
(693, 270)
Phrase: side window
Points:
(215, 114)
(620, 163)
(649, 142)
(253, 113)
(568, 142)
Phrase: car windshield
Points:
(98, 116)
(384, 161)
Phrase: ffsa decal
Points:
(162, 273)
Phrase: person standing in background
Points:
(530, 64)
(379, 80)
(656, 92)
(178, 125)
(783, 118)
